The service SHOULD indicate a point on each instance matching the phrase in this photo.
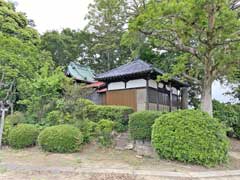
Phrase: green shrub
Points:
(88, 129)
(54, 118)
(104, 130)
(15, 118)
(61, 138)
(84, 102)
(140, 124)
(119, 127)
(190, 136)
(229, 115)
(115, 113)
(7, 128)
(23, 135)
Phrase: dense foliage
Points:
(15, 118)
(193, 28)
(140, 124)
(16, 24)
(66, 46)
(7, 128)
(88, 129)
(23, 135)
(104, 129)
(115, 113)
(190, 136)
(229, 115)
(61, 138)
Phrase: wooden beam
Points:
(170, 98)
(147, 94)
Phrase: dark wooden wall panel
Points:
(122, 97)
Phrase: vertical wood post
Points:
(170, 98)
(147, 94)
(184, 98)
(178, 100)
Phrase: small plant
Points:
(61, 138)
(23, 135)
(190, 136)
(119, 127)
(88, 129)
(104, 130)
(140, 124)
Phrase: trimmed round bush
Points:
(61, 138)
(140, 124)
(23, 135)
(190, 136)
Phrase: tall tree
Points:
(206, 32)
(107, 23)
(65, 46)
(16, 24)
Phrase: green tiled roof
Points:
(80, 72)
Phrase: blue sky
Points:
(59, 14)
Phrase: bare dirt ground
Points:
(93, 157)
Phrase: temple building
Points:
(135, 85)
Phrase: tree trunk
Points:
(206, 97)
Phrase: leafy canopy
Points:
(16, 23)
(206, 32)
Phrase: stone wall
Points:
(142, 148)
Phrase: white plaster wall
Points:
(136, 83)
(168, 87)
(116, 85)
(152, 83)
(160, 85)
(175, 91)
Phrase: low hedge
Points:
(61, 138)
(140, 124)
(115, 113)
(190, 136)
(23, 135)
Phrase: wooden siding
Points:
(163, 98)
(122, 97)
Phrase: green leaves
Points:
(23, 135)
(190, 136)
(16, 24)
(140, 124)
(61, 139)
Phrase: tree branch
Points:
(195, 80)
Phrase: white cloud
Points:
(55, 14)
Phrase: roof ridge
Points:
(117, 67)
